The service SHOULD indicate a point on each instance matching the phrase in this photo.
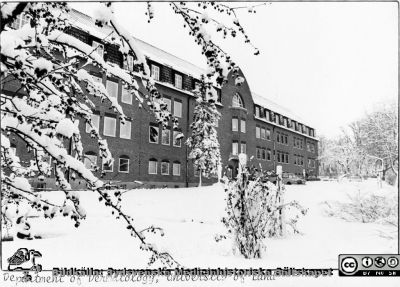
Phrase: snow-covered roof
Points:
(86, 23)
(270, 105)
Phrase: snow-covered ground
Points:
(191, 218)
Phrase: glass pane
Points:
(125, 130)
(109, 126)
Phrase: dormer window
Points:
(155, 72)
(99, 48)
(178, 81)
(237, 101)
(20, 21)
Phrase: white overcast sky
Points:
(327, 62)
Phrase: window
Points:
(155, 72)
(129, 63)
(258, 112)
(278, 137)
(152, 166)
(165, 138)
(263, 153)
(268, 154)
(176, 169)
(235, 124)
(177, 109)
(243, 147)
(178, 81)
(258, 134)
(109, 126)
(167, 101)
(20, 21)
(263, 133)
(126, 96)
(108, 167)
(99, 48)
(177, 138)
(165, 168)
(258, 153)
(112, 88)
(235, 148)
(267, 115)
(125, 130)
(237, 101)
(123, 164)
(95, 122)
(268, 134)
(153, 134)
(90, 160)
(243, 126)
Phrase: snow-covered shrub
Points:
(255, 210)
(366, 208)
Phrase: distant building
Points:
(269, 134)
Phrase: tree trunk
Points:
(200, 179)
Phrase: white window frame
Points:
(156, 166)
(96, 122)
(258, 132)
(174, 165)
(235, 145)
(169, 136)
(114, 85)
(155, 72)
(263, 133)
(235, 128)
(114, 120)
(124, 93)
(174, 135)
(125, 127)
(177, 111)
(158, 134)
(163, 163)
(237, 101)
(119, 164)
(112, 167)
(243, 126)
(20, 21)
(129, 62)
(100, 51)
(257, 110)
(178, 82)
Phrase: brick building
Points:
(269, 134)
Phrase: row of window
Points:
(165, 136)
(298, 159)
(90, 162)
(165, 167)
(263, 154)
(235, 147)
(282, 138)
(235, 125)
(283, 121)
(298, 143)
(126, 96)
(110, 126)
(282, 157)
(263, 133)
(310, 147)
